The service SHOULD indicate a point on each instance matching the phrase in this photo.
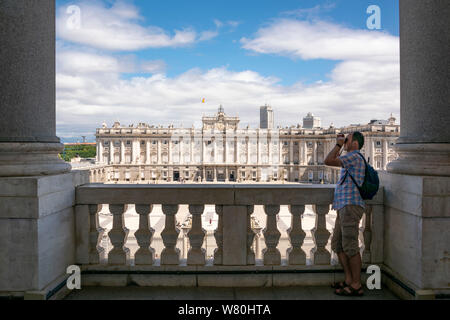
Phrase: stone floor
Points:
(210, 293)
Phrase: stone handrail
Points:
(234, 236)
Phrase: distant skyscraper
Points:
(311, 121)
(266, 117)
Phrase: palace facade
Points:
(222, 152)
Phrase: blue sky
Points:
(253, 42)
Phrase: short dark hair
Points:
(358, 137)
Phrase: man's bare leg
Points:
(355, 267)
(344, 261)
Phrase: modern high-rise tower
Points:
(266, 117)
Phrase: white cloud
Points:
(208, 35)
(322, 40)
(363, 85)
(118, 28)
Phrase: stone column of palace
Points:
(111, 152)
(169, 151)
(385, 153)
(28, 142)
(304, 155)
(238, 158)
(371, 147)
(159, 151)
(147, 152)
(424, 143)
(291, 151)
(315, 152)
(417, 185)
(99, 151)
(37, 189)
(122, 151)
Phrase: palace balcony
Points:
(49, 214)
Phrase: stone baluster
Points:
(118, 235)
(295, 255)
(250, 237)
(366, 234)
(196, 254)
(218, 235)
(145, 254)
(320, 234)
(271, 255)
(170, 254)
(96, 252)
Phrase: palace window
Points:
(378, 144)
(128, 142)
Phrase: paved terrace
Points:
(211, 293)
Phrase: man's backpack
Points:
(371, 183)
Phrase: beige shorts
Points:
(346, 230)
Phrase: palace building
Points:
(220, 151)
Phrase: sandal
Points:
(339, 285)
(353, 292)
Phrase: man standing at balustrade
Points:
(350, 207)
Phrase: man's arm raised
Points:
(333, 157)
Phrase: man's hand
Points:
(340, 139)
(333, 157)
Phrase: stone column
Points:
(295, 254)
(100, 151)
(196, 254)
(320, 235)
(248, 151)
(159, 151)
(417, 184)
(118, 235)
(258, 149)
(372, 151)
(147, 152)
(170, 255)
(218, 235)
(28, 142)
(122, 151)
(424, 143)
(271, 255)
(144, 235)
(385, 153)
(291, 152)
(280, 151)
(315, 152)
(305, 153)
(169, 144)
(238, 160)
(111, 152)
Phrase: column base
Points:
(18, 159)
(430, 159)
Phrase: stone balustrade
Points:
(234, 205)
